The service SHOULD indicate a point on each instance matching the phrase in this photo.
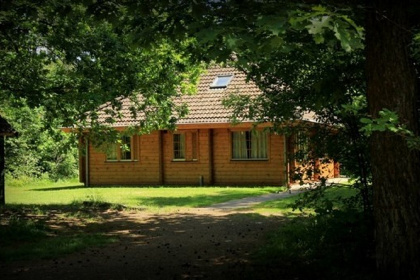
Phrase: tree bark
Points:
(392, 84)
(2, 171)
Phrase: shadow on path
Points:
(171, 246)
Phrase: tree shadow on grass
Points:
(136, 186)
(75, 187)
(190, 201)
(170, 246)
(187, 246)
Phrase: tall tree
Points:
(252, 29)
(393, 84)
(55, 54)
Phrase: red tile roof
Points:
(205, 107)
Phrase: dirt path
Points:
(195, 244)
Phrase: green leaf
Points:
(318, 25)
(342, 34)
(365, 120)
(319, 38)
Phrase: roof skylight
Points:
(221, 81)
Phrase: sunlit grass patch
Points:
(152, 198)
(285, 206)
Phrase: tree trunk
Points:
(392, 84)
(2, 170)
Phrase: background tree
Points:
(58, 64)
(56, 55)
(38, 151)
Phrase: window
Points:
(221, 81)
(112, 152)
(302, 146)
(124, 150)
(185, 146)
(179, 146)
(249, 145)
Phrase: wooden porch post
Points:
(211, 158)
(161, 157)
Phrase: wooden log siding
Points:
(155, 162)
(247, 172)
(143, 170)
(188, 171)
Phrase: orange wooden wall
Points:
(158, 167)
(145, 170)
(248, 172)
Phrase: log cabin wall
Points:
(144, 169)
(247, 172)
(208, 164)
(190, 170)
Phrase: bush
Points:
(335, 243)
(40, 147)
(333, 246)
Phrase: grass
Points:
(152, 198)
(327, 245)
(32, 206)
(22, 239)
(285, 206)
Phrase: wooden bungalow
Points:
(205, 149)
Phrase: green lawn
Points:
(152, 198)
(29, 203)
(285, 205)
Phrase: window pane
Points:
(301, 140)
(259, 144)
(249, 145)
(125, 148)
(239, 145)
(179, 146)
(221, 81)
(111, 152)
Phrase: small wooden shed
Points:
(5, 130)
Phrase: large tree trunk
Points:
(2, 171)
(392, 84)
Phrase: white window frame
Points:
(216, 84)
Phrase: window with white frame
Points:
(221, 81)
(249, 145)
